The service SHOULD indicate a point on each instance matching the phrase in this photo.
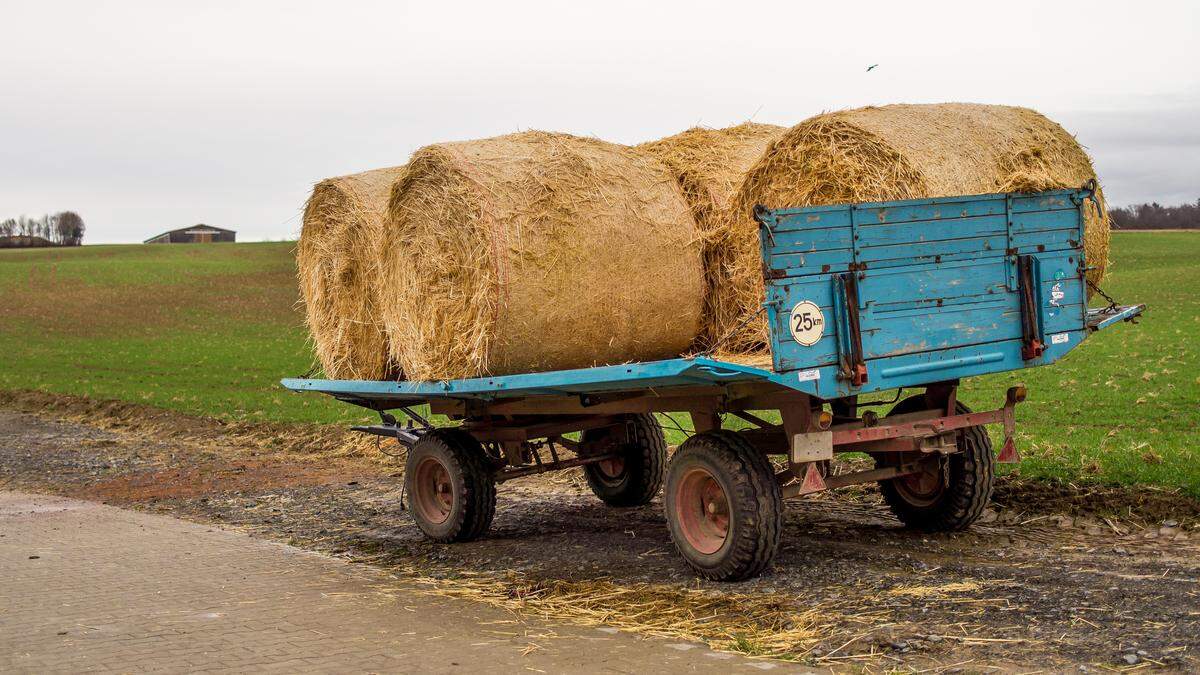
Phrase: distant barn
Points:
(196, 234)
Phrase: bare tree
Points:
(69, 227)
(1155, 216)
(65, 228)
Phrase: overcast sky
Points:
(146, 116)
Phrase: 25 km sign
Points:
(807, 323)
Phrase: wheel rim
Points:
(921, 489)
(611, 470)
(702, 511)
(433, 494)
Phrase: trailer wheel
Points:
(723, 506)
(633, 478)
(953, 495)
(451, 489)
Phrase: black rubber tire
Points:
(967, 483)
(472, 482)
(645, 464)
(748, 480)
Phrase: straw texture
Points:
(337, 260)
(899, 152)
(537, 251)
(710, 165)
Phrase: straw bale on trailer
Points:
(337, 260)
(536, 251)
(900, 152)
(710, 165)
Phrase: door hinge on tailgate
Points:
(1031, 318)
(849, 333)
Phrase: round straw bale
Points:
(900, 152)
(709, 165)
(537, 251)
(338, 259)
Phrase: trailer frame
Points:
(1002, 288)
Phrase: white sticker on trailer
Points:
(808, 375)
(1060, 338)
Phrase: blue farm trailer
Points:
(861, 298)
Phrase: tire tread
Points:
(651, 447)
(757, 498)
(972, 473)
(475, 479)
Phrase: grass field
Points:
(210, 329)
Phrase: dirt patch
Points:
(311, 440)
(1144, 505)
(212, 478)
(850, 588)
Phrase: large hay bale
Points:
(901, 152)
(338, 259)
(536, 251)
(710, 165)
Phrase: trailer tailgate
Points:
(863, 297)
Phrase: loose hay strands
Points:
(900, 152)
(536, 251)
(710, 165)
(337, 260)
(758, 625)
(935, 591)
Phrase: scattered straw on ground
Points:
(900, 152)
(758, 625)
(935, 591)
(538, 251)
(337, 260)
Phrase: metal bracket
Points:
(762, 214)
(1031, 316)
(851, 366)
(1008, 453)
(389, 427)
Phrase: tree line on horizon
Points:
(61, 229)
(1155, 216)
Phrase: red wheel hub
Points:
(611, 468)
(433, 495)
(923, 488)
(702, 510)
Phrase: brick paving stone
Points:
(139, 592)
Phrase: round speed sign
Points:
(807, 323)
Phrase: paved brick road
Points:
(86, 587)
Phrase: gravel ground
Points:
(1058, 577)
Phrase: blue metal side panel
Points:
(936, 282)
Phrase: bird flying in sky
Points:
(870, 68)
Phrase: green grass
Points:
(210, 329)
(1125, 406)
(205, 329)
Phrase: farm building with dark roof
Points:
(196, 234)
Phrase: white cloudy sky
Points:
(145, 116)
